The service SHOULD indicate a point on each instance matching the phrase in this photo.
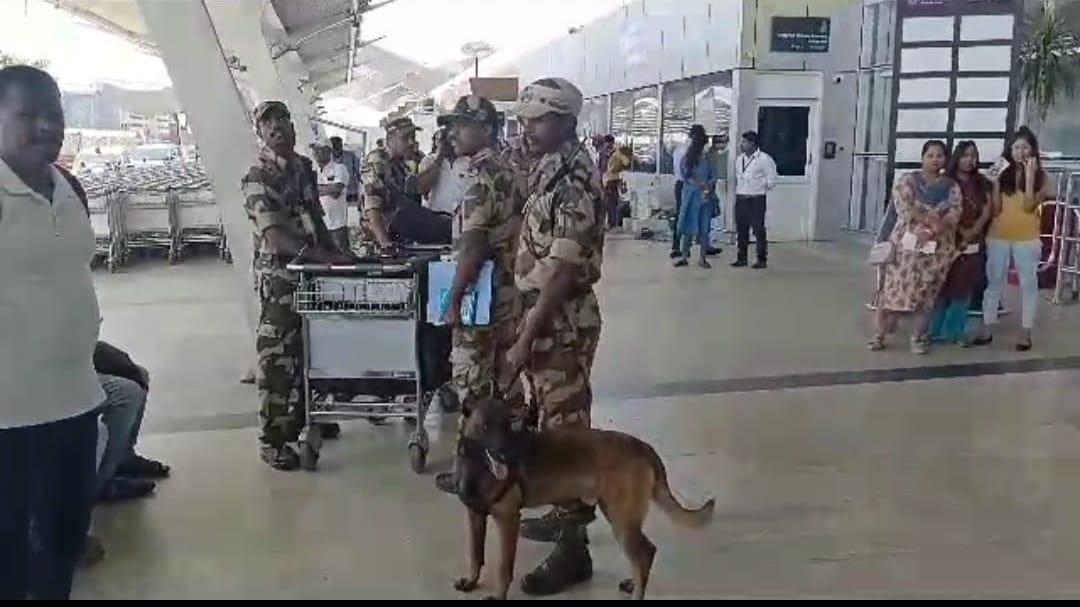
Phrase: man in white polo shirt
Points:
(333, 184)
(48, 329)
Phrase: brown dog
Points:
(501, 470)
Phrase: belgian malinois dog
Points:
(501, 470)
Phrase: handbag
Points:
(881, 253)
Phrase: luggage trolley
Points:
(107, 222)
(361, 328)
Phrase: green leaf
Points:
(1050, 54)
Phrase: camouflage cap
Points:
(269, 108)
(471, 108)
(401, 125)
(547, 96)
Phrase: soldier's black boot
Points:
(550, 526)
(279, 458)
(446, 482)
(569, 564)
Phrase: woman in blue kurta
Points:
(698, 203)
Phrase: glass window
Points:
(783, 132)
(645, 129)
(932, 59)
(877, 33)
(870, 193)
(622, 105)
(986, 27)
(980, 119)
(678, 116)
(929, 119)
(928, 29)
(982, 89)
(705, 100)
(594, 117)
(985, 58)
(712, 102)
(923, 90)
(872, 122)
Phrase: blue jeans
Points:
(1025, 256)
(47, 476)
(122, 413)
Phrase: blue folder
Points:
(475, 306)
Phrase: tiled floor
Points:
(840, 484)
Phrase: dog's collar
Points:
(512, 479)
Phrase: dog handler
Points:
(558, 262)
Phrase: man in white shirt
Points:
(442, 175)
(333, 183)
(755, 176)
(677, 157)
(49, 321)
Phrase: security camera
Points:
(837, 79)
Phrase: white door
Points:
(788, 130)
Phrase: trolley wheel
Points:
(173, 257)
(111, 266)
(417, 458)
(309, 457)
(227, 256)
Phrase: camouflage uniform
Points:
(490, 205)
(385, 181)
(514, 153)
(563, 224)
(561, 221)
(375, 177)
(280, 193)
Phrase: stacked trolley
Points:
(362, 326)
(166, 208)
(106, 218)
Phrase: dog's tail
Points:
(662, 496)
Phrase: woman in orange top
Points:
(614, 185)
(1015, 234)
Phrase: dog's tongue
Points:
(498, 469)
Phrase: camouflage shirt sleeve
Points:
(373, 176)
(263, 204)
(575, 225)
(479, 205)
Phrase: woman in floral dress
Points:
(926, 208)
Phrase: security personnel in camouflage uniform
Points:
(282, 203)
(558, 262)
(386, 179)
(516, 153)
(486, 226)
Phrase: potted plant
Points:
(1049, 54)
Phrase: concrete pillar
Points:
(244, 29)
(204, 85)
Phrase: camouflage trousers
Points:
(558, 378)
(279, 347)
(479, 365)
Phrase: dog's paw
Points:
(464, 584)
(627, 586)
